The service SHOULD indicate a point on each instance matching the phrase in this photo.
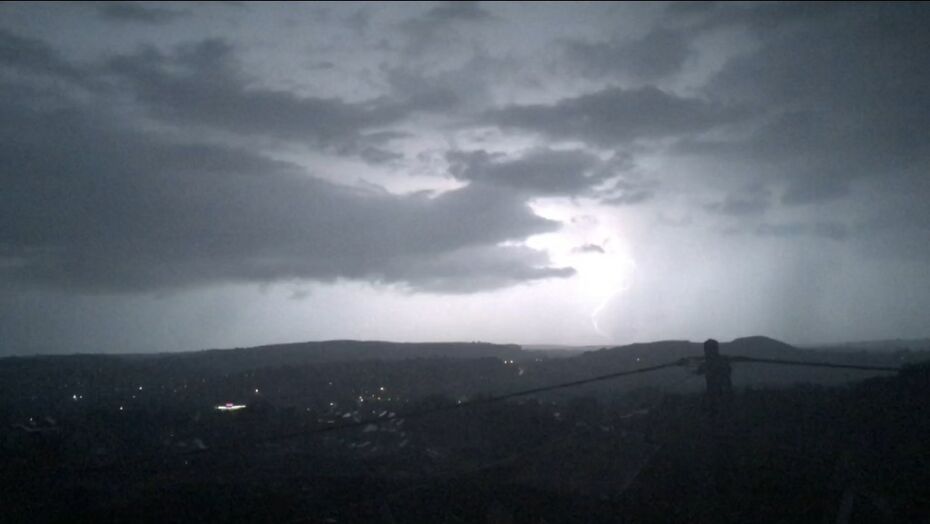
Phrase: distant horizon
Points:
(532, 347)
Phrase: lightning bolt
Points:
(597, 311)
(603, 303)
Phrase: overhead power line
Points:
(481, 401)
(543, 389)
(474, 402)
(754, 360)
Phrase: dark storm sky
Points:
(179, 176)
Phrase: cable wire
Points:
(754, 360)
(475, 402)
(683, 362)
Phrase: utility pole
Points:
(716, 370)
(717, 399)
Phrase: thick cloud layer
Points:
(538, 172)
(614, 116)
(202, 85)
(103, 209)
(656, 55)
(135, 13)
(93, 204)
(680, 170)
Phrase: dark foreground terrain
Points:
(95, 438)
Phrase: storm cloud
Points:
(202, 84)
(685, 170)
(106, 209)
(135, 13)
(616, 115)
(538, 172)
(656, 55)
(94, 204)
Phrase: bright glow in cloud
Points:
(591, 244)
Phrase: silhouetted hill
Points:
(756, 346)
(342, 369)
(225, 361)
(895, 344)
(301, 353)
(759, 346)
(638, 355)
